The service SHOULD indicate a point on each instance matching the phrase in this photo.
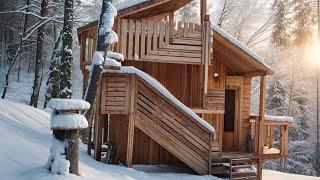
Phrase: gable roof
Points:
(242, 58)
(141, 9)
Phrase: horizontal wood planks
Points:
(115, 95)
(214, 99)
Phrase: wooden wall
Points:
(246, 113)
(185, 83)
(216, 120)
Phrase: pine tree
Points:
(53, 82)
(302, 20)
(276, 99)
(39, 58)
(280, 36)
(66, 59)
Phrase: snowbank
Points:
(68, 104)
(275, 175)
(68, 121)
(25, 141)
(155, 84)
(57, 161)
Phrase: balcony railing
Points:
(270, 124)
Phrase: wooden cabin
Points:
(206, 70)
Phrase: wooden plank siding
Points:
(185, 86)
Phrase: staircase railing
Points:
(161, 118)
(269, 137)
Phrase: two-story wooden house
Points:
(183, 94)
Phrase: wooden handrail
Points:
(161, 118)
(269, 130)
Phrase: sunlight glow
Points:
(313, 53)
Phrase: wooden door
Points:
(229, 124)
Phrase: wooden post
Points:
(203, 10)
(72, 150)
(133, 92)
(261, 123)
(130, 140)
(171, 24)
(98, 136)
(67, 134)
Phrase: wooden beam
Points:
(203, 10)
(130, 140)
(261, 122)
(256, 73)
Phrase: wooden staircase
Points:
(242, 168)
(160, 116)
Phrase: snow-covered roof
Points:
(128, 3)
(68, 104)
(159, 87)
(239, 44)
(68, 121)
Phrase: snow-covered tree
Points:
(280, 36)
(66, 59)
(302, 20)
(53, 82)
(276, 99)
(39, 58)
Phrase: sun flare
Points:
(313, 53)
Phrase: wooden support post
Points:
(73, 150)
(261, 124)
(98, 137)
(130, 140)
(203, 10)
(171, 24)
(205, 52)
(133, 92)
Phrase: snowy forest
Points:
(37, 43)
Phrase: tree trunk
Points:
(24, 29)
(8, 72)
(96, 73)
(66, 60)
(39, 58)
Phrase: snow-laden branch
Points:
(32, 14)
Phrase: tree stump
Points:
(65, 123)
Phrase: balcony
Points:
(273, 146)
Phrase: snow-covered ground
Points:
(24, 149)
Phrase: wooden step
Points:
(242, 166)
(243, 174)
(241, 159)
(247, 178)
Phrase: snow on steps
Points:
(159, 87)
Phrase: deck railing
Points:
(269, 138)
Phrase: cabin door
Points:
(229, 121)
(232, 123)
